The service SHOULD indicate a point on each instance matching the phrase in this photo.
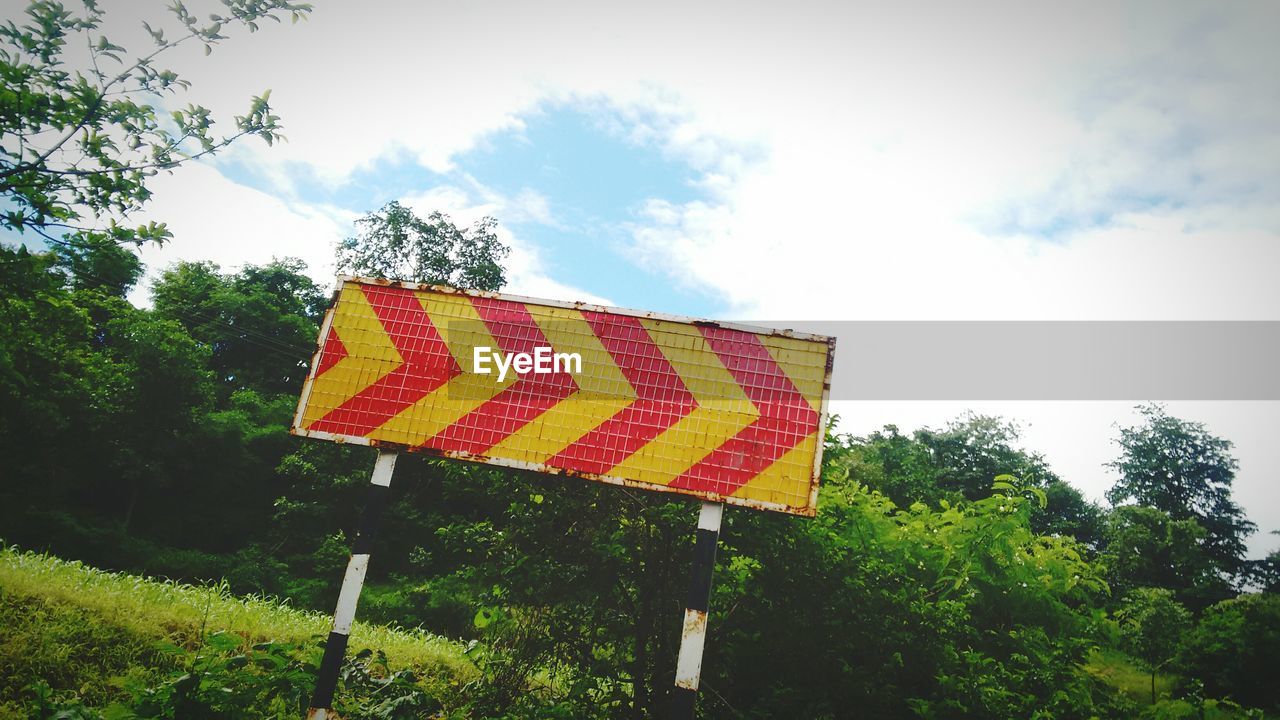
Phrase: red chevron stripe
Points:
(515, 331)
(661, 397)
(427, 364)
(333, 351)
(786, 418)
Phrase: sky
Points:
(787, 161)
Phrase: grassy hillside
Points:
(1121, 672)
(92, 634)
(76, 635)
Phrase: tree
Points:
(1152, 624)
(45, 391)
(974, 449)
(900, 466)
(99, 264)
(259, 324)
(395, 243)
(1068, 512)
(157, 389)
(1178, 467)
(961, 461)
(86, 139)
(1233, 650)
(1266, 572)
(1144, 547)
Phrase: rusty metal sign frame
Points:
(808, 510)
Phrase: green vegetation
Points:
(917, 591)
(949, 573)
(176, 611)
(1152, 625)
(88, 133)
(92, 635)
(1122, 673)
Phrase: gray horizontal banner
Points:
(1174, 360)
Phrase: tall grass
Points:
(1122, 673)
(182, 613)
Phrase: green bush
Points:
(1234, 649)
(222, 680)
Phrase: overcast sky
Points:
(831, 160)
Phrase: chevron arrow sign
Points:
(727, 413)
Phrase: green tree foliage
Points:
(45, 353)
(1266, 572)
(159, 388)
(1178, 467)
(905, 597)
(899, 466)
(960, 462)
(395, 243)
(90, 371)
(1152, 624)
(99, 264)
(168, 422)
(973, 449)
(869, 603)
(959, 609)
(85, 131)
(1234, 647)
(259, 325)
(1145, 548)
(1068, 513)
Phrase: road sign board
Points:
(723, 412)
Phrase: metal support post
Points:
(336, 646)
(694, 634)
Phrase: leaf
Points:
(1041, 496)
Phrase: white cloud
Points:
(529, 204)
(213, 218)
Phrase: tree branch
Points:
(92, 110)
(224, 142)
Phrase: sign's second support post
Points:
(694, 633)
(336, 646)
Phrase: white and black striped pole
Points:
(694, 633)
(336, 646)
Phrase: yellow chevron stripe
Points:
(370, 355)
(723, 409)
(602, 390)
(787, 479)
(804, 361)
(462, 330)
